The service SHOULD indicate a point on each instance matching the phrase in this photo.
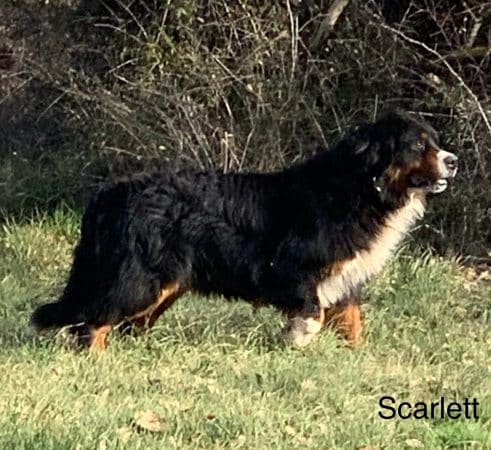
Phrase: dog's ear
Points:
(365, 146)
(392, 124)
(388, 131)
(376, 147)
(359, 138)
(361, 146)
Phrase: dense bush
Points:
(90, 88)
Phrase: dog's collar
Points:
(376, 185)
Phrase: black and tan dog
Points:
(305, 239)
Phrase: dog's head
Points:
(400, 153)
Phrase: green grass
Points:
(218, 377)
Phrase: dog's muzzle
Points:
(447, 168)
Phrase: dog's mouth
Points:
(432, 187)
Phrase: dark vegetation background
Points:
(90, 88)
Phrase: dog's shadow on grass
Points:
(221, 324)
(191, 322)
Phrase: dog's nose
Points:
(451, 162)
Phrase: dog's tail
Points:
(70, 308)
(54, 315)
(94, 262)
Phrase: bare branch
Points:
(327, 25)
(450, 69)
(474, 32)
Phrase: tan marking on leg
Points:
(98, 338)
(346, 322)
(159, 310)
(139, 321)
(167, 296)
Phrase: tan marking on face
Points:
(398, 179)
(367, 263)
(427, 168)
(429, 163)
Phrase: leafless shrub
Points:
(257, 85)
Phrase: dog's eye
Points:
(420, 146)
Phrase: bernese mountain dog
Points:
(305, 239)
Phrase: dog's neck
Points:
(349, 275)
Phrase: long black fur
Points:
(248, 235)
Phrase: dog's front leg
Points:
(303, 326)
(345, 319)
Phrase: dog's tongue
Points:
(432, 187)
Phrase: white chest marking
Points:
(367, 263)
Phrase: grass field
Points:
(213, 374)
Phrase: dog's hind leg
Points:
(98, 338)
(167, 296)
(97, 334)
